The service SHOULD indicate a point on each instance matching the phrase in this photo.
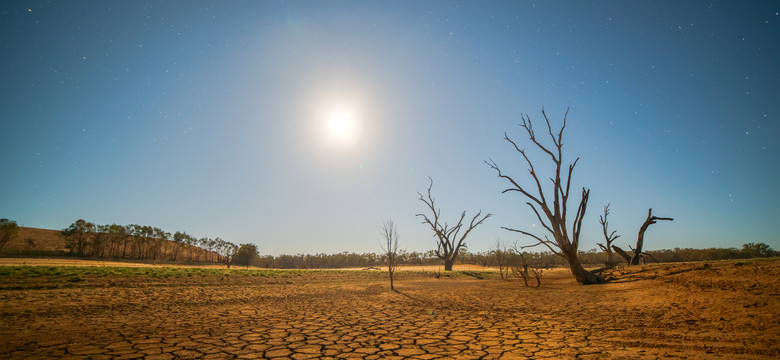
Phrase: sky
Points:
(301, 126)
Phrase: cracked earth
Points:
(727, 310)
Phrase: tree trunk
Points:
(582, 276)
(641, 237)
(640, 242)
(622, 253)
(448, 264)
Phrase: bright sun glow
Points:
(342, 127)
(341, 124)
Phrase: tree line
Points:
(83, 238)
(343, 259)
(490, 258)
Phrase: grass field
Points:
(728, 310)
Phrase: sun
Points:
(341, 124)
(342, 127)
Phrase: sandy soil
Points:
(728, 310)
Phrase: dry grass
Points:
(36, 239)
(94, 263)
(727, 310)
(78, 262)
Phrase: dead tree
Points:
(641, 237)
(522, 270)
(502, 255)
(555, 213)
(610, 237)
(448, 243)
(622, 253)
(389, 245)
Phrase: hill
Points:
(34, 239)
(30, 241)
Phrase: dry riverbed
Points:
(728, 310)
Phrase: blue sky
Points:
(213, 118)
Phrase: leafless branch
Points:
(609, 237)
(640, 237)
(555, 213)
(448, 243)
(389, 234)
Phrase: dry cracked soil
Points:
(728, 310)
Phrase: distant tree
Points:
(159, 239)
(100, 240)
(115, 234)
(146, 235)
(758, 250)
(610, 237)
(77, 236)
(127, 240)
(448, 242)
(502, 256)
(138, 240)
(178, 244)
(246, 255)
(637, 257)
(554, 220)
(389, 244)
(211, 247)
(225, 251)
(484, 258)
(190, 243)
(203, 244)
(8, 229)
(524, 270)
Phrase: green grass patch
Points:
(87, 275)
(158, 272)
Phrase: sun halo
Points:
(341, 124)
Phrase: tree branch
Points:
(549, 244)
(579, 216)
(446, 247)
(517, 188)
(540, 218)
(556, 213)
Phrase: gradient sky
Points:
(212, 117)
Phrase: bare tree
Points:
(610, 237)
(524, 270)
(502, 256)
(555, 214)
(389, 245)
(622, 253)
(448, 242)
(641, 237)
